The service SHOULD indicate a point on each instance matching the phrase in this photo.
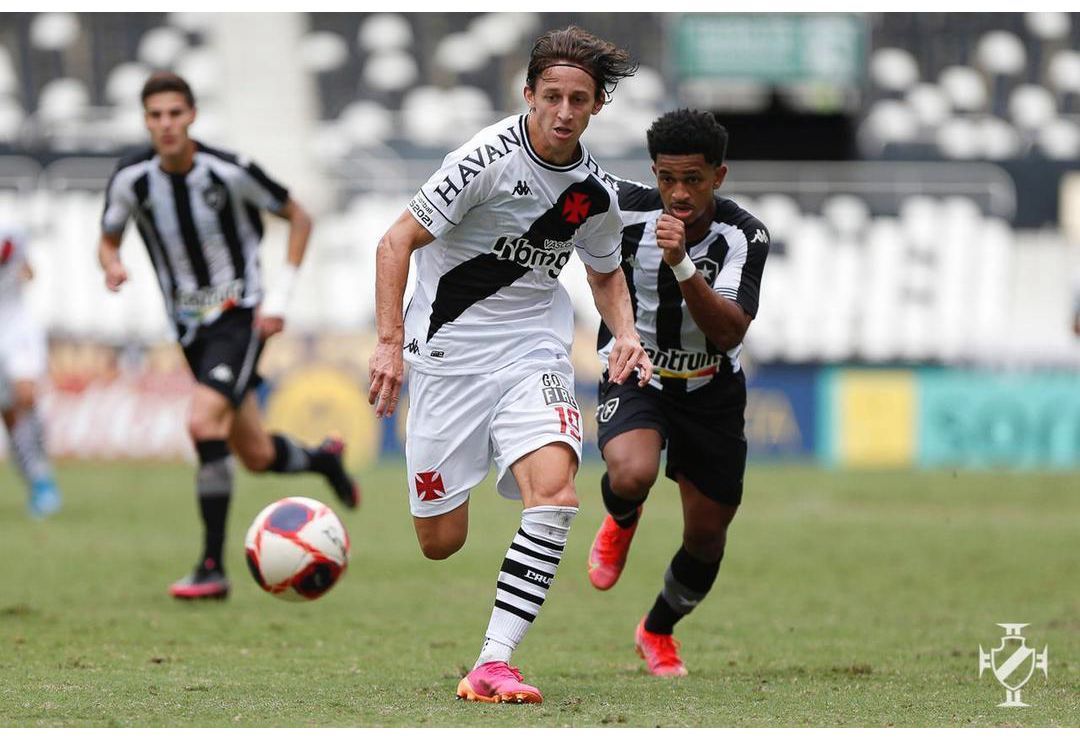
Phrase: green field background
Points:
(845, 599)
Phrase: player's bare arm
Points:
(722, 320)
(109, 258)
(613, 302)
(270, 316)
(386, 368)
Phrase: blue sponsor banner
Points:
(781, 411)
(993, 419)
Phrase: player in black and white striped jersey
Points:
(198, 211)
(694, 263)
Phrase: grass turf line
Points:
(845, 598)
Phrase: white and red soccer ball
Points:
(297, 548)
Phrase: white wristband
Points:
(685, 269)
(277, 298)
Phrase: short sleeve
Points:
(259, 189)
(602, 249)
(119, 201)
(458, 186)
(740, 277)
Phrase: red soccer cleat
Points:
(661, 652)
(497, 683)
(207, 582)
(608, 554)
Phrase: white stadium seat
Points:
(160, 47)
(383, 32)
(893, 69)
(390, 71)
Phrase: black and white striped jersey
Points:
(731, 257)
(202, 229)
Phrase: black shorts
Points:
(702, 430)
(223, 355)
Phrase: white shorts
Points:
(23, 350)
(458, 425)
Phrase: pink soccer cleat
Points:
(661, 652)
(207, 582)
(497, 683)
(608, 554)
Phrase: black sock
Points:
(291, 457)
(214, 489)
(686, 583)
(622, 510)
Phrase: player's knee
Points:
(23, 397)
(256, 457)
(632, 479)
(559, 494)
(439, 548)
(705, 543)
(204, 424)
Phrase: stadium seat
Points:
(384, 32)
(893, 69)
(9, 81)
(160, 47)
(1048, 26)
(964, 87)
(391, 70)
(1031, 106)
(201, 67)
(366, 123)
(125, 81)
(847, 214)
(62, 100)
(54, 31)
(11, 120)
(1001, 53)
(958, 139)
(1060, 139)
(323, 51)
(996, 139)
(460, 53)
(930, 103)
(892, 121)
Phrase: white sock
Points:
(524, 578)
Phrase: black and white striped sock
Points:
(524, 578)
(28, 445)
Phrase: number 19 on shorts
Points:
(569, 422)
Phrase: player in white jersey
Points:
(694, 262)
(487, 333)
(22, 365)
(198, 212)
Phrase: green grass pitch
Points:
(856, 599)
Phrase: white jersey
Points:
(12, 261)
(506, 223)
(731, 257)
(22, 341)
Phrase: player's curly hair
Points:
(688, 131)
(602, 60)
(160, 82)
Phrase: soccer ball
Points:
(297, 548)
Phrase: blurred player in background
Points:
(694, 263)
(197, 210)
(488, 331)
(23, 356)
